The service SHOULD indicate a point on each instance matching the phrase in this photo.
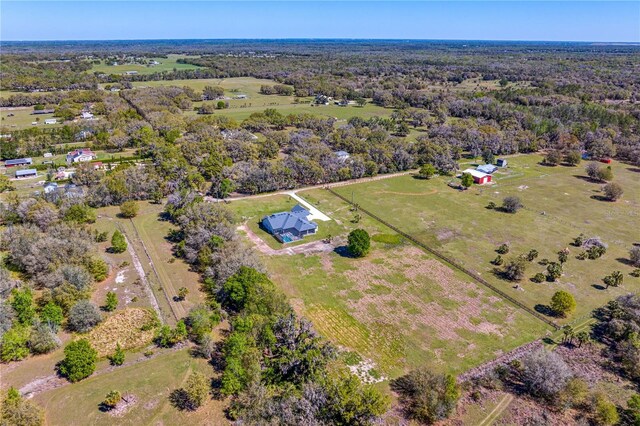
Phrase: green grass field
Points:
(166, 65)
(560, 203)
(150, 382)
(398, 306)
(22, 119)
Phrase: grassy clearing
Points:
(131, 328)
(166, 65)
(398, 307)
(21, 118)
(560, 203)
(150, 381)
(147, 231)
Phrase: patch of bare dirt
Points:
(125, 404)
(412, 265)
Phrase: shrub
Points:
(118, 356)
(111, 302)
(18, 411)
(14, 344)
(635, 273)
(605, 412)
(98, 268)
(498, 260)
(634, 256)
(614, 279)
(83, 316)
(491, 205)
(200, 322)
(43, 339)
(579, 240)
(111, 399)
(511, 204)
(514, 270)
(182, 293)
(359, 242)
(466, 180)
(538, 278)
(613, 191)
(79, 360)
(544, 374)
(532, 255)
(553, 158)
(22, 304)
(427, 171)
(563, 256)
(196, 390)
(118, 242)
(605, 174)
(573, 158)
(595, 252)
(554, 271)
(80, 213)
(563, 303)
(52, 315)
(129, 209)
(427, 397)
(503, 249)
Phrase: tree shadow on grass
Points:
(544, 310)
(180, 400)
(343, 251)
(599, 287)
(625, 261)
(585, 178)
(600, 198)
(634, 169)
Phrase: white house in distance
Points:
(81, 156)
(50, 121)
(87, 116)
(342, 155)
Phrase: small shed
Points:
(605, 160)
(26, 173)
(478, 177)
(487, 168)
(501, 162)
(50, 121)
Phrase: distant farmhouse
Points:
(50, 121)
(81, 156)
(18, 162)
(487, 168)
(478, 177)
(26, 173)
(290, 226)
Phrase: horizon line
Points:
(631, 43)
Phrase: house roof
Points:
(26, 172)
(487, 168)
(342, 153)
(475, 173)
(291, 220)
(18, 161)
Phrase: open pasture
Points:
(21, 118)
(148, 384)
(167, 64)
(398, 307)
(560, 203)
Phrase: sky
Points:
(598, 21)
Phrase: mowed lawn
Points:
(21, 118)
(149, 382)
(398, 307)
(560, 203)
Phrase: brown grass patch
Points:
(124, 327)
(435, 297)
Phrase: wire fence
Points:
(451, 262)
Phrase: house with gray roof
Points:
(26, 173)
(487, 168)
(289, 226)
